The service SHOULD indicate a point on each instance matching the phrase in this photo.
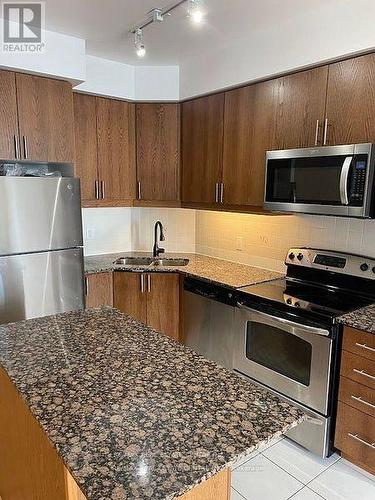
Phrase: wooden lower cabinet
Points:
(99, 290)
(355, 425)
(152, 298)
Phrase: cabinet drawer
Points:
(357, 395)
(359, 369)
(355, 436)
(359, 342)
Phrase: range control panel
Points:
(351, 265)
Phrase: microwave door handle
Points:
(344, 180)
(275, 319)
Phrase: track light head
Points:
(195, 12)
(138, 42)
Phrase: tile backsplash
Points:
(264, 240)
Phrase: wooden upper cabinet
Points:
(350, 107)
(116, 148)
(86, 164)
(158, 151)
(300, 108)
(9, 137)
(202, 148)
(45, 109)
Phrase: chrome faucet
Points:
(156, 250)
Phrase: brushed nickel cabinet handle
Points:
(317, 132)
(148, 283)
(365, 374)
(25, 148)
(325, 133)
(16, 147)
(222, 192)
(102, 189)
(142, 283)
(361, 440)
(365, 346)
(97, 190)
(360, 400)
(139, 190)
(217, 192)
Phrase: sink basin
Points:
(171, 262)
(134, 261)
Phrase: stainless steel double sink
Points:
(150, 261)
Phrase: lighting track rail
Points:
(157, 16)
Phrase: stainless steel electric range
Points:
(287, 334)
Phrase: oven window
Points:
(279, 351)
(305, 180)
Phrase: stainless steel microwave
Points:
(330, 180)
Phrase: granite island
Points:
(95, 405)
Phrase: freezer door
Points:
(40, 284)
(38, 214)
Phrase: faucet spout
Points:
(156, 251)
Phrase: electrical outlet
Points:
(90, 233)
(239, 243)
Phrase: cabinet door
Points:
(130, 295)
(99, 290)
(86, 147)
(9, 138)
(116, 148)
(202, 148)
(163, 303)
(301, 101)
(351, 101)
(158, 151)
(46, 122)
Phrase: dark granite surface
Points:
(133, 414)
(363, 319)
(210, 269)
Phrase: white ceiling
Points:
(105, 25)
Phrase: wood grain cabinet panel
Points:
(99, 290)
(9, 137)
(202, 148)
(357, 395)
(359, 369)
(46, 119)
(130, 294)
(350, 107)
(163, 303)
(300, 108)
(359, 342)
(158, 151)
(355, 436)
(86, 146)
(116, 148)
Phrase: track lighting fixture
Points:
(138, 42)
(194, 12)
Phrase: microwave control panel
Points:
(358, 181)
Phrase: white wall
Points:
(64, 57)
(264, 240)
(179, 225)
(106, 230)
(323, 33)
(108, 78)
(158, 83)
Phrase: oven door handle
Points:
(311, 329)
(344, 180)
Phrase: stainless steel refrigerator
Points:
(41, 255)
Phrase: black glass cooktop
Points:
(307, 297)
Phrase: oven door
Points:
(290, 358)
(332, 180)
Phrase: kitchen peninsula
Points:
(95, 405)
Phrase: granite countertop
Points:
(133, 414)
(363, 319)
(210, 269)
